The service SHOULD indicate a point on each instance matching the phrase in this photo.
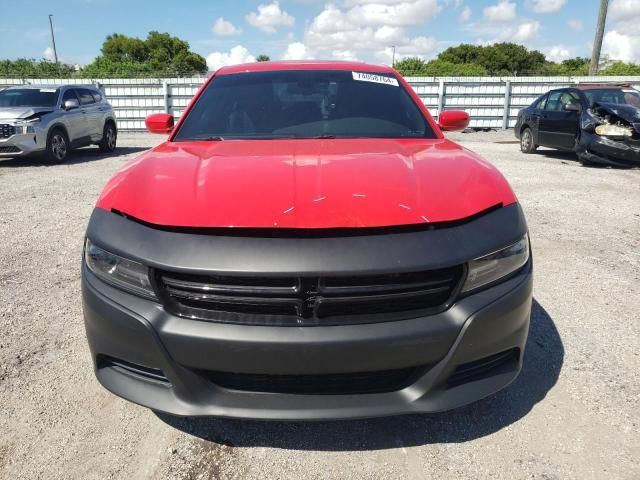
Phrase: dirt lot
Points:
(573, 412)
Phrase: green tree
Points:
(410, 66)
(263, 58)
(621, 68)
(442, 68)
(31, 68)
(496, 59)
(159, 54)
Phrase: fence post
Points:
(165, 95)
(441, 93)
(507, 105)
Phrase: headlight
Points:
(26, 126)
(492, 267)
(613, 131)
(118, 271)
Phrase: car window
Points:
(69, 94)
(539, 103)
(97, 96)
(305, 104)
(553, 102)
(568, 98)
(627, 96)
(29, 97)
(86, 98)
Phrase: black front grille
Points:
(7, 130)
(327, 384)
(9, 149)
(308, 300)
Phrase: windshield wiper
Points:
(326, 135)
(212, 138)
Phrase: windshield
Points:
(304, 104)
(29, 97)
(628, 96)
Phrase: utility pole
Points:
(393, 58)
(53, 39)
(597, 42)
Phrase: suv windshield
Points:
(628, 96)
(304, 104)
(29, 97)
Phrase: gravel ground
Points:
(572, 413)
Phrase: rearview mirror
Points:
(451, 120)
(71, 104)
(159, 123)
(572, 107)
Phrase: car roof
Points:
(304, 65)
(600, 86)
(52, 86)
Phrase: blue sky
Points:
(234, 31)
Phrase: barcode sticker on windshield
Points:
(372, 77)
(47, 90)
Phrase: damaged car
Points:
(600, 122)
(51, 120)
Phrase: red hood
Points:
(305, 184)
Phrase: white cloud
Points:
(269, 17)
(503, 11)
(523, 32)
(236, 55)
(398, 13)
(48, 54)
(423, 47)
(624, 9)
(622, 41)
(371, 26)
(390, 35)
(575, 24)
(344, 55)
(558, 53)
(619, 46)
(297, 51)
(465, 14)
(225, 28)
(546, 6)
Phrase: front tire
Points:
(57, 146)
(526, 141)
(109, 138)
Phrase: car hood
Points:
(22, 112)
(305, 184)
(626, 112)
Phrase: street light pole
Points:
(597, 42)
(393, 58)
(53, 39)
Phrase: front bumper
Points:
(172, 357)
(594, 148)
(123, 326)
(22, 145)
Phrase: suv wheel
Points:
(57, 146)
(109, 137)
(526, 141)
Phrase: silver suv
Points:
(53, 119)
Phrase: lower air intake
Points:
(328, 384)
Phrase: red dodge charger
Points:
(307, 245)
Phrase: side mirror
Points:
(159, 123)
(572, 107)
(71, 104)
(451, 120)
